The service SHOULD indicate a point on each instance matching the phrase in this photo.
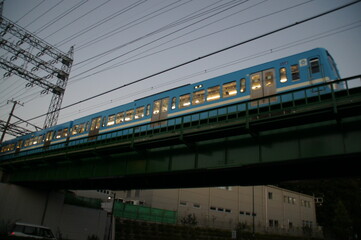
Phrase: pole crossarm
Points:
(34, 79)
(13, 129)
(26, 36)
(36, 61)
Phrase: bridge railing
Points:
(312, 98)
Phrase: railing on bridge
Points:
(292, 107)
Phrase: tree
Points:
(190, 220)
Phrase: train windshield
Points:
(333, 65)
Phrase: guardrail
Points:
(329, 96)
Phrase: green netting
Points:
(144, 213)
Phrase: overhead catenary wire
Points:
(318, 36)
(185, 19)
(207, 55)
(157, 39)
(78, 18)
(99, 23)
(60, 16)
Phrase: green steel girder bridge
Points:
(307, 137)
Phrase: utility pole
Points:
(10, 115)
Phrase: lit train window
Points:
(65, 132)
(295, 72)
(198, 97)
(49, 136)
(315, 65)
(174, 100)
(19, 144)
(58, 134)
(229, 89)
(81, 128)
(119, 118)
(256, 81)
(75, 130)
(104, 121)
(213, 93)
(165, 102)
(129, 115)
(184, 101)
(283, 75)
(139, 112)
(269, 79)
(156, 107)
(147, 111)
(95, 124)
(243, 85)
(111, 120)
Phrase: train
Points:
(289, 73)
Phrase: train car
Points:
(256, 83)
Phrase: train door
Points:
(18, 146)
(94, 127)
(316, 74)
(48, 138)
(160, 111)
(263, 84)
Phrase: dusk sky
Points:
(118, 42)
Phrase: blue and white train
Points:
(308, 68)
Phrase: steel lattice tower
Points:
(49, 60)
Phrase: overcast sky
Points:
(117, 42)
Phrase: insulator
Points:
(18, 43)
(13, 58)
(49, 76)
(3, 33)
(7, 74)
(34, 69)
(44, 92)
(29, 85)
(39, 54)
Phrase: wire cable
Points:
(205, 56)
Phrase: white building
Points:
(266, 208)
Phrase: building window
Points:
(213, 208)
(196, 205)
(273, 223)
(270, 195)
(228, 188)
(183, 203)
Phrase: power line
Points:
(60, 16)
(99, 23)
(152, 33)
(205, 56)
(331, 32)
(75, 20)
(180, 21)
